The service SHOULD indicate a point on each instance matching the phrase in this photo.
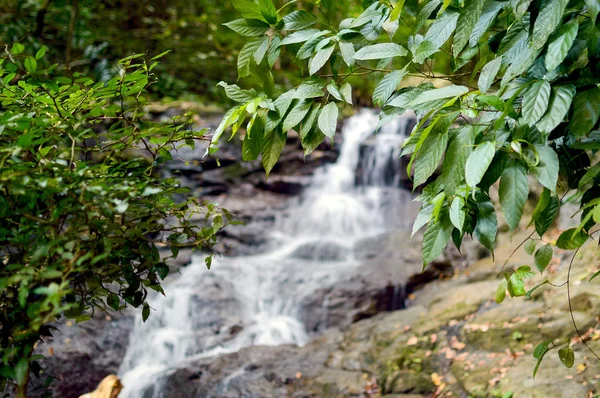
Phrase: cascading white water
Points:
(261, 294)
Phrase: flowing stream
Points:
(314, 238)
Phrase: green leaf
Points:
(30, 64)
(542, 257)
(501, 291)
(530, 247)
(299, 37)
(320, 59)
(425, 13)
(248, 27)
(478, 162)
(560, 102)
(423, 218)
(430, 154)
(395, 14)
(519, 7)
(514, 189)
(268, 10)
(589, 175)
(334, 91)
(380, 51)
(328, 120)
(298, 20)
(469, 16)
(423, 52)
(310, 120)
(596, 214)
(249, 9)
(593, 7)
(296, 115)
(488, 74)
(451, 91)
(571, 239)
(145, 311)
(17, 49)
(457, 213)
(491, 8)
(246, 57)
(566, 356)
(586, 111)
(540, 351)
(311, 88)
(274, 51)
(516, 286)
(535, 101)
(547, 216)
(560, 44)
(436, 238)
(261, 51)
(113, 301)
(311, 141)
(486, 227)
(346, 91)
(459, 149)
(547, 169)
(387, 86)
(40, 53)
(547, 21)
(439, 32)
(273, 144)
(348, 52)
(253, 141)
(524, 57)
(235, 93)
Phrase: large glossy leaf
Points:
(478, 162)
(586, 111)
(429, 156)
(560, 102)
(535, 101)
(491, 8)
(328, 119)
(246, 57)
(547, 21)
(273, 144)
(248, 27)
(296, 115)
(253, 141)
(436, 238)
(488, 74)
(439, 32)
(547, 169)
(514, 189)
(560, 44)
(439, 93)
(469, 16)
(298, 20)
(387, 86)
(320, 58)
(380, 51)
(453, 170)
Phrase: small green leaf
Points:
(17, 49)
(253, 141)
(530, 247)
(436, 238)
(542, 257)
(113, 301)
(441, 29)
(298, 20)
(469, 16)
(299, 37)
(540, 351)
(547, 21)
(501, 291)
(30, 64)
(560, 102)
(348, 52)
(320, 59)
(571, 239)
(491, 8)
(429, 155)
(516, 286)
(246, 56)
(566, 356)
(451, 91)
(478, 162)
(589, 175)
(459, 149)
(40, 53)
(547, 216)
(457, 213)
(346, 91)
(145, 311)
(328, 120)
(380, 51)
(296, 115)
(593, 7)
(535, 101)
(486, 227)
(273, 144)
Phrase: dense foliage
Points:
(83, 209)
(523, 100)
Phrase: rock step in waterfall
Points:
(256, 300)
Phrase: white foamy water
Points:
(355, 198)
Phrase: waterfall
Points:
(355, 198)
